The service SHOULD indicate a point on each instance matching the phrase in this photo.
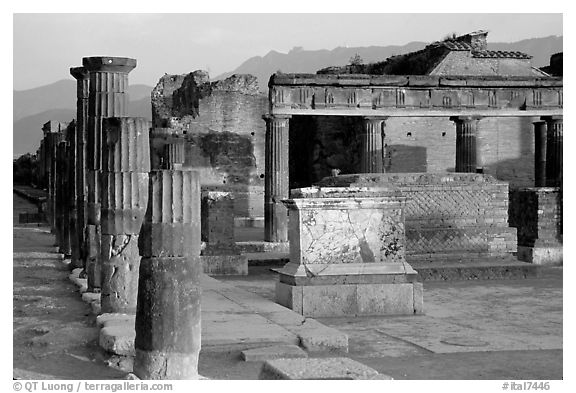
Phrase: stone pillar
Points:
(276, 182)
(168, 315)
(372, 145)
(220, 256)
(62, 196)
(71, 196)
(124, 197)
(540, 154)
(82, 92)
(107, 97)
(466, 145)
(554, 125)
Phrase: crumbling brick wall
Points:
(224, 130)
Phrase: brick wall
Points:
(537, 214)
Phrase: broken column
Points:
(220, 256)
(107, 97)
(82, 81)
(347, 254)
(276, 178)
(124, 197)
(168, 314)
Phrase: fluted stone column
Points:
(466, 144)
(124, 197)
(107, 97)
(540, 154)
(372, 145)
(554, 125)
(276, 182)
(82, 92)
(168, 324)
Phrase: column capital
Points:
(464, 119)
(108, 64)
(79, 73)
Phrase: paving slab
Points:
(327, 368)
(273, 352)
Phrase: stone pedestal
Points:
(220, 256)
(372, 145)
(107, 97)
(537, 214)
(168, 315)
(276, 179)
(347, 254)
(124, 196)
(467, 154)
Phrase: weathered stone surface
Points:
(168, 309)
(172, 223)
(449, 216)
(120, 263)
(329, 368)
(118, 339)
(274, 352)
(93, 266)
(223, 265)
(347, 253)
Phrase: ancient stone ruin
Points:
(377, 180)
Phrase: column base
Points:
(551, 255)
(165, 365)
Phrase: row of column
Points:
(132, 222)
(548, 159)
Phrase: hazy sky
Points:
(47, 45)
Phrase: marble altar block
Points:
(347, 248)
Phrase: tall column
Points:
(62, 196)
(124, 197)
(71, 196)
(168, 325)
(466, 145)
(540, 154)
(276, 184)
(82, 92)
(372, 145)
(554, 125)
(107, 97)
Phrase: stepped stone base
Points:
(335, 300)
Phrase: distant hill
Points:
(57, 101)
(34, 107)
(310, 61)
